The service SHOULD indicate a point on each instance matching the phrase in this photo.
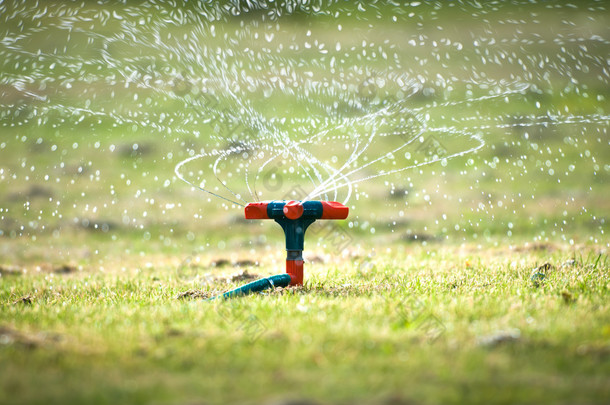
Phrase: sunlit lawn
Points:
(482, 279)
(431, 325)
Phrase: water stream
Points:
(254, 100)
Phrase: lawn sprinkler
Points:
(294, 217)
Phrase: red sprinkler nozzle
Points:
(294, 218)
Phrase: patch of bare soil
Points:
(537, 247)
(241, 276)
(65, 269)
(239, 263)
(10, 336)
(192, 294)
(10, 271)
(25, 300)
(33, 192)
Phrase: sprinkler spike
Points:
(295, 217)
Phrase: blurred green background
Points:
(101, 100)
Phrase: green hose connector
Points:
(280, 280)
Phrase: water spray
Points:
(294, 217)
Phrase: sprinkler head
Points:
(293, 210)
(294, 217)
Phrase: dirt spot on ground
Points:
(10, 271)
(136, 149)
(220, 263)
(598, 351)
(500, 338)
(42, 267)
(419, 237)
(397, 400)
(10, 336)
(245, 263)
(241, 276)
(288, 290)
(76, 169)
(536, 247)
(192, 294)
(25, 300)
(568, 297)
(97, 225)
(8, 225)
(292, 402)
(65, 269)
(239, 263)
(33, 192)
(399, 193)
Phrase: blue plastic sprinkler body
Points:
(294, 217)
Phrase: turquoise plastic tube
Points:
(280, 280)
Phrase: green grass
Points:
(424, 295)
(419, 328)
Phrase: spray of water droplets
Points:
(304, 100)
